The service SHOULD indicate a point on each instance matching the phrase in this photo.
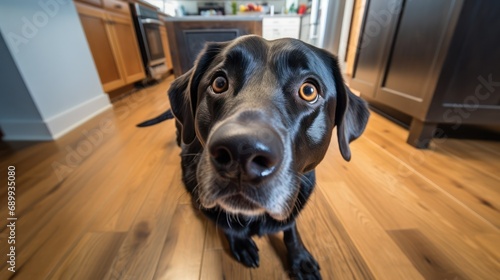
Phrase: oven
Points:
(152, 41)
(147, 25)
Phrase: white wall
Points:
(47, 44)
(15, 99)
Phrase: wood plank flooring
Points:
(106, 202)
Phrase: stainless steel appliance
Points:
(323, 26)
(147, 25)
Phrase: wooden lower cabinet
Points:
(127, 47)
(112, 41)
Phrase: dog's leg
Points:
(244, 250)
(302, 263)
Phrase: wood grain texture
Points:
(426, 258)
(106, 202)
(376, 246)
(459, 178)
(94, 253)
(183, 249)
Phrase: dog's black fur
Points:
(249, 151)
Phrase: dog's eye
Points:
(308, 92)
(219, 85)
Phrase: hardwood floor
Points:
(106, 202)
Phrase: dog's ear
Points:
(351, 114)
(183, 92)
(180, 102)
(351, 119)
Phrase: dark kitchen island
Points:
(187, 35)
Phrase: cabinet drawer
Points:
(280, 27)
(117, 6)
(92, 2)
(284, 21)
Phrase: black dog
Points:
(254, 118)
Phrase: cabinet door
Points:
(166, 47)
(416, 57)
(378, 28)
(126, 47)
(95, 24)
(275, 27)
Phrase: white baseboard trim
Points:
(56, 126)
(66, 121)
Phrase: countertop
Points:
(225, 18)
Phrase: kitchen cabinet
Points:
(111, 37)
(435, 61)
(187, 35)
(275, 27)
(127, 47)
(93, 2)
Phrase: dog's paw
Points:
(304, 266)
(245, 251)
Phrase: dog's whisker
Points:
(191, 155)
(303, 178)
(249, 221)
(228, 220)
(238, 219)
(217, 222)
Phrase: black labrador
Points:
(254, 118)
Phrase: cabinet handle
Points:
(118, 6)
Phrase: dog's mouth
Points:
(241, 204)
(238, 204)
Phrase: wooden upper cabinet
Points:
(112, 41)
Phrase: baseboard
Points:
(70, 119)
(56, 126)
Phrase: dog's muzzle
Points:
(245, 152)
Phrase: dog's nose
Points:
(249, 153)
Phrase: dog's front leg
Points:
(244, 250)
(302, 263)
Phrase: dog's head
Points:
(263, 112)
